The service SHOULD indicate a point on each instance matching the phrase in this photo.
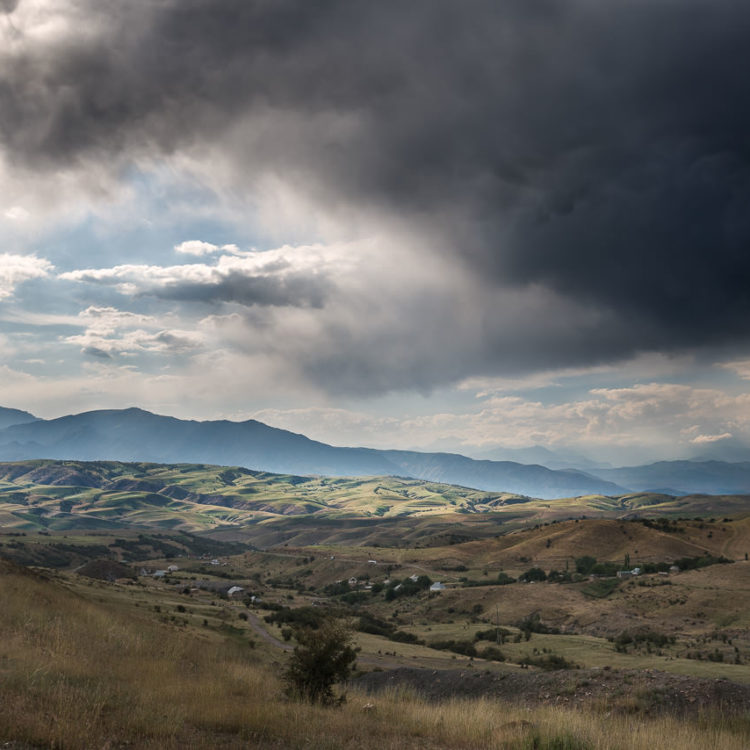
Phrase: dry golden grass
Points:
(79, 673)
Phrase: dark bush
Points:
(323, 657)
(466, 648)
(549, 662)
(533, 574)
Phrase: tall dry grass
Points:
(81, 674)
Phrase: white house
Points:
(353, 582)
(437, 586)
(235, 591)
(172, 569)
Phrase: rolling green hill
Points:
(238, 504)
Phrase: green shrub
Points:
(492, 653)
(533, 624)
(533, 574)
(466, 648)
(548, 662)
(585, 564)
(323, 657)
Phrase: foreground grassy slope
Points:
(83, 667)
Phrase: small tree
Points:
(533, 574)
(322, 658)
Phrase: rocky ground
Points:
(647, 691)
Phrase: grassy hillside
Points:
(88, 664)
(268, 509)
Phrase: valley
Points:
(528, 612)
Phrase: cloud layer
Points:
(490, 189)
(598, 152)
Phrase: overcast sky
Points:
(427, 224)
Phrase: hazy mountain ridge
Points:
(9, 417)
(138, 435)
(683, 477)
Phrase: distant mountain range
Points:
(138, 435)
(10, 417)
(684, 477)
(538, 454)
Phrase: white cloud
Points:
(336, 426)
(198, 247)
(110, 332)
(17, 213)
(704, 439)
(15, 269)
(740, 367)
(96, 343)
(110, 318)
(648, 420)
(288, 276)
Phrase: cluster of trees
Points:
(548, 662)
(502, 580)
(533, 624)
(588, 565)
(663, 524)
(406, 587)
(649, 638)
(375, 626)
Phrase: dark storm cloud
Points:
(289, 290)
(274, 286)
(599, 150)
